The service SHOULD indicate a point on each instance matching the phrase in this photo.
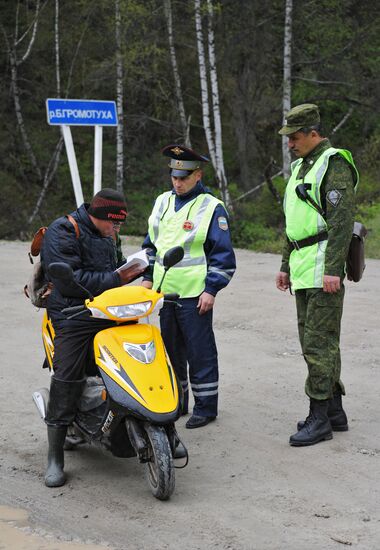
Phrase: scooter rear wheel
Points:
(160, 469)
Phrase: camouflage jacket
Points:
(339, 217)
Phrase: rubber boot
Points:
(60, 414)
(317, 426)
(336, 414)
(55, 476)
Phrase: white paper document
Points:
(139, 259)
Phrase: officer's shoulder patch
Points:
(334, 197)
(222, 222)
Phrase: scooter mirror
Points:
(173, 256)
(65, 281)
(61, 270)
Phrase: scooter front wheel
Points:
(160, 468)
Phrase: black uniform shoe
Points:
(317, 426)
(336, 414)
(55, 476)
(198, 421)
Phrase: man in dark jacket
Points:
(88, 245)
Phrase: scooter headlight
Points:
(145, 353)
(130, 310)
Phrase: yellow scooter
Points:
(131, 405)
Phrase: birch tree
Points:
(213, 134)
(185, 123)
(221, 175)
(287, 83)
(56, 156)
(15, 60)
(119, 102)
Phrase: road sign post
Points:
(82, 112)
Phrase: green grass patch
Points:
(370, 216)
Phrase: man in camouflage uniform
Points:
(319, 208)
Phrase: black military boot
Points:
(61, 411)
(316, 428)
(336, 414)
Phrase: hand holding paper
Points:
(133, 267)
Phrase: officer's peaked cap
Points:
(301, 116)
(183, 161)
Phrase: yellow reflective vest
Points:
(188, 227)
(307, 265)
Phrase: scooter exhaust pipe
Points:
(41, 400)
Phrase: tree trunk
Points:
(19, 116)
(56, 41)
(119, 102)
(185, 123)
(287, 85)
(204, 83)
(54, 161)
(220, 171)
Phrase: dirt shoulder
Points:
(244, 488)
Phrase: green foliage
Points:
(335, 63)
(258, 224)
(370, 216)
(256, 236)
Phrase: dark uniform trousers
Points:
(319, 318)
(189, 339)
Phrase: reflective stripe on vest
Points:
(302, 220)
(166, 229)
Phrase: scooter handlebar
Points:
(73, 309)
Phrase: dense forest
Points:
(218, 75)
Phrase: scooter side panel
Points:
(152, 384)
(48, 339)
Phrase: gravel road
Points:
(245, 488)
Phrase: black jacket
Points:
(93, 258)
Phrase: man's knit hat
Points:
(109, 205)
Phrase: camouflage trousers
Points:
(319, 317)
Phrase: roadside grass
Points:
(260, 238)
(370, 216)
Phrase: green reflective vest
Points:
(307, 265)
(188, 227)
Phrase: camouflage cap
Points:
(301, 116)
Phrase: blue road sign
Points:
(81, 112)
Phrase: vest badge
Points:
(188, 225)
(334, 197)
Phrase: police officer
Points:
(319, 210)
(190, 216)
